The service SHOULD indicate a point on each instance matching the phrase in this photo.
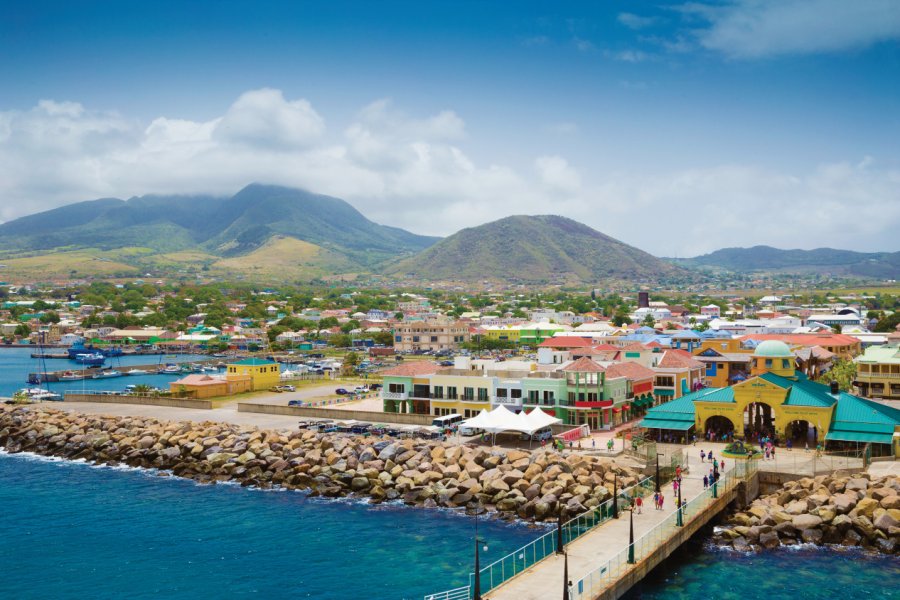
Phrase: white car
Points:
(361, 388)
(470, 431)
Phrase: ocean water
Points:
(72, 530)
(699, 570)
(16, 364)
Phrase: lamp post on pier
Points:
(680, 517)
(657, 472)
(631, 535)
(615, 498)
(476, 586)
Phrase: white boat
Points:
(171, 369)
(71, 376)
(137, 372)
(107, 374)
(40, 394)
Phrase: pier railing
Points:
(532, 553)
(607, 574)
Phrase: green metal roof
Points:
(253, 362)
(860, 410)
(809, 393)
(782, 382)
(857, 436)
(663, 424)
(664, 392)
(725, 395)
(886, 354)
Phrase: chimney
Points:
(835, 390)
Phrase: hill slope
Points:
(223, 227)
(542, 248)
(821, 260)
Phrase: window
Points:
(396, 388)
(768, 363)
(515, 393)
(439, 391)
(533, 396)
(415, 338)
(785, 364)
(482, 395)
(434, 339)
(451, 392)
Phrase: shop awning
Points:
(663, 424)
(664, 392)
(859, 436)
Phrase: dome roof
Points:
(773, 348)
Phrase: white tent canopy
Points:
(503, 419)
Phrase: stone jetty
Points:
(843, 509)
(532, 486)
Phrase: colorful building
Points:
(781, 403)
(263, 373)
(406, 388)
(677, 374)
(592, 398)
(204, 386)
(878, 372)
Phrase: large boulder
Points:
(885, 522)
(769, 540)
(866, 507)
(803, 522)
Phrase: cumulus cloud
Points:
(633, 21)
(413, 172)
(748, 29)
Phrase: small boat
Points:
(197, 368)
(171, 369)
(210, 369)
(71, 376)
(40, 394)
(90, 359)
(107, 374)
(137, 372)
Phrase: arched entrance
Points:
(801, 432)
(718, 426)
(759, 420)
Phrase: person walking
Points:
(638, 503)
(678, 472)
(705, 482)
(789, 444)
(593, 444)
(655, 500)
(661, 500)
(702, 456)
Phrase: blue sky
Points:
(678, 127)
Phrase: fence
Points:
(107, 398)
(532, 553)
(812, 462)
(608, 573)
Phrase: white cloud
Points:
(748, 29)
(264, 117)
(414, 172)
(633, 21)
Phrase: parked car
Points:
(375, 387)
(276, 388)
(540, 434)
(446, 363)
(295, 403)
(361, 388)
(341, 392)
(469, 431)
(288, 388)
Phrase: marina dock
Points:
(78, 372)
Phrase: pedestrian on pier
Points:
(705, 482)
(661, 500)
(702, 456)
(656, 500)
(638, 503)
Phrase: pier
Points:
(87, 373)
(602, 563)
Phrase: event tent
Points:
(502, 419)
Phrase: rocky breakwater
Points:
(842, 509)
(527, 485)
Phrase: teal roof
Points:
(773, 349)
(253, 362)
(664, 424)
(859, 420)
(855, 436)
(782, 382)
(803, 392)
(716, 395)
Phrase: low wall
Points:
(337, 415)
(142, 400)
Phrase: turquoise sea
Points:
(73, 530)
(16, 364)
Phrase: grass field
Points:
(283, 258)
(64, 265)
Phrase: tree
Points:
(888, 324)
(340, 340)
(842, 371)
(49, 317)
(22, 330)
(621, 319)
(649, 321)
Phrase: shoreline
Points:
(530, 487)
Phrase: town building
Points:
(436, 334)
(780, 402)
(263, 373)
(205, 386)
(878, 372)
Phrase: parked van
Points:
(541, 434)
(446, 421)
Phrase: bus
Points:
(447, 421)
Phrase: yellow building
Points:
(878, 372)
(263, 373)
(502, 333)
(783, 403)
(463, 394)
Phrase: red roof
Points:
(606, 348)
(654, 344)
(631, 370)
(805, 339)
(199, 380)
(565, 341)
(584, 365)
(413, 369)
(634, 347)
(679, 359)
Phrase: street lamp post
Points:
(657, 472)
(477, 584)
(631, 535)
(560, 547)
(565, 576)
(615, 498)
(680, 517)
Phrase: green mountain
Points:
(254, 218)
(884, 265)
(534, 249)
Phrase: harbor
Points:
(81, 372)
